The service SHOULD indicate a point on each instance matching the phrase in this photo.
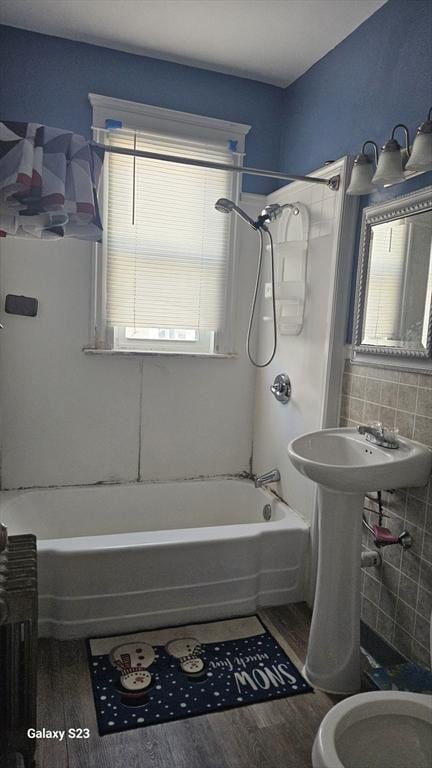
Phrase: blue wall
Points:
(378, 76)
(46, 79)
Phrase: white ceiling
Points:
(273, 41)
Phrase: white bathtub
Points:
(116, 558)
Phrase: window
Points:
(165, 278)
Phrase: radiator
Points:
(18, 646)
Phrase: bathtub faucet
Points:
(273, 476)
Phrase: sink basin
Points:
(343, 460)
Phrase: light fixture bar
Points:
(332, 183)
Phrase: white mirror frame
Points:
(396, 208)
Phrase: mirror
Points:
(394, 285)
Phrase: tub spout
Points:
(273, 476)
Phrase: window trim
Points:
(138, 116)
(162, 120)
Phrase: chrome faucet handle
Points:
(390, 434)
(377, 433)
(387, 433)
(373, 428)
(378, 426)
(281, 388)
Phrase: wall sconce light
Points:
(421, 154)
(393, 164)
(392, 160)
(363, 171)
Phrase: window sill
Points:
(150, 353)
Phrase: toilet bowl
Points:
(377, 729)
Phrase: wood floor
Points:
(274, 734)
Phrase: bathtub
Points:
(120, 558)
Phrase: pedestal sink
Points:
(346, 466)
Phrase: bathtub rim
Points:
(169, 538)
(142, 539)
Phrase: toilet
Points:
(377, 729)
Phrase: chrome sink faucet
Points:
(273, 476)
(377, 434)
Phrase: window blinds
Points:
(167, 249)
(385, 281)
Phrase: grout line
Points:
(379, 598)
(422, 556)
(375, 402)
(415, 412)
(392, 634)
(374, 373)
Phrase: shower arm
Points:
(333, 183)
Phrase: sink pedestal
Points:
(333, 658)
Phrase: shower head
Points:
(228, 206)
(223, 205)
(270, 212)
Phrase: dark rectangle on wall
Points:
(21, 305)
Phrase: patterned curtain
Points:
(48, 183)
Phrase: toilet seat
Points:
(387, 729)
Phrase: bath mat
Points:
(157, 676)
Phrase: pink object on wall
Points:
(384, 535)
